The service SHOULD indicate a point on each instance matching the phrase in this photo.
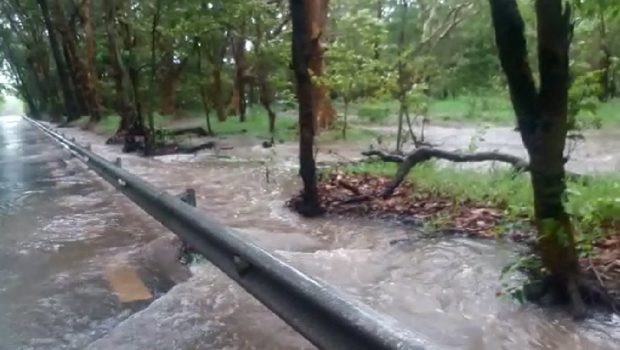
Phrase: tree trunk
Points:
(68, 97)
(542, 119)
(91, 60)
(80, 72)
(167, 88)
(80, 101)
(126, 106)
(237, 106)
(605, 64)
(316, 10)
(301, 43)
(203, 93)
(217, 95)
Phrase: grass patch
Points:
(353, 134)
(256, 125)
(595, 208)
(471, 109)
(493, 109)
(497, 110)
(109, 124)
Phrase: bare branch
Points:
(423, 154)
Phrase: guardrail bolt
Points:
(241, 265)
(189, 197)
(118, 162)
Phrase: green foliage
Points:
(375, 112)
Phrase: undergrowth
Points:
(594, 207)
(109, 123)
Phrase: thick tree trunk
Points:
(79, 71)
(91, 60)
(310, 204)
(237, 106)
(68, 97)
(217, 95)
(167, 88)
(324, 113)
(126, 106)
(542, 119)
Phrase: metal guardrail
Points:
(326, 317)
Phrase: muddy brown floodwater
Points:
(443, 290)
(68, 244)
(598, 152)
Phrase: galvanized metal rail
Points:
(326, 317)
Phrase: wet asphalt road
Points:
(71, 266)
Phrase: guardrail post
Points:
(189, 197)
(118, 162)
(73, 139)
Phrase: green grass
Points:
(492, 109)
(256, 125)
(109, 124)
(286, 129)
(498, 110)
(473, 109)
(591, 205)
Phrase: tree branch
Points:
(423, 154)
(280, 28)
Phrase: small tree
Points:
(310, 203)
(352, 69)
(542, 116)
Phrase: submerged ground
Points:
(445, 290)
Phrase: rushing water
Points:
(443, 290)
(61, 232)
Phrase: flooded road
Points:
(444, 291)
(74, 262)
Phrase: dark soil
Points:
(359, 195)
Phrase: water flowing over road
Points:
(69, 246)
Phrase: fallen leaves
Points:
(360, 195)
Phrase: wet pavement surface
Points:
(64, 238)
(56, 294)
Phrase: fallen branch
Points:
(349, 187)
(423, 154)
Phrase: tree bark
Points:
(68, 97)
(91, 60)
(79, 71)
(238, 106)
(217, 95)
(167, 88)
(125, 99)
(324, 113)
(542, 116)
(301, 44)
